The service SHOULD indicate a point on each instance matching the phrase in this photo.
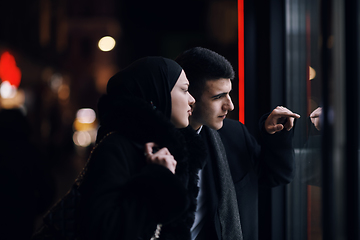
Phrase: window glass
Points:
(304, 96)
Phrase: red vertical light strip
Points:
(241, 60)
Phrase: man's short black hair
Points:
(201, 65)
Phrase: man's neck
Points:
(195, 126)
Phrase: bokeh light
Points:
(312, 73)
(8, 69)
(64, 92)
(106, 44)
(86, 115)
(85, 127)
(7, 90)
(12, 97)
(56, 81)
(82, 138)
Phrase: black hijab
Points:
(150, 79)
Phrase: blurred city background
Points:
(56, 57)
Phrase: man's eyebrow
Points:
(219, 95)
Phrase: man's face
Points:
(213, 105)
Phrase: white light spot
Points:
(7, 90)
(106, 44)
(86, 115)
(82, 138)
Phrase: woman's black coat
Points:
(123, 197)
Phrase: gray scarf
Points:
(228, 208)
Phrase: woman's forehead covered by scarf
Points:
(150, 79)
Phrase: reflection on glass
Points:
(312, 73)
(304, 51)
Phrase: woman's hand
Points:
(162, 157)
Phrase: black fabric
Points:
(269, 162)
(227, 208)
(210, 189)
(150, 79)
(59, 221)
(121, 195)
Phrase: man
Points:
(228, 197)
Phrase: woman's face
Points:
(181, 100)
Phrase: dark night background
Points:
(57, 40)
(54, 43)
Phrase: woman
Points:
(143, 172)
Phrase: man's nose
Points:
(228, 104)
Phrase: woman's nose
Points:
(191, 99)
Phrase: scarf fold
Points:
(228, 208)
